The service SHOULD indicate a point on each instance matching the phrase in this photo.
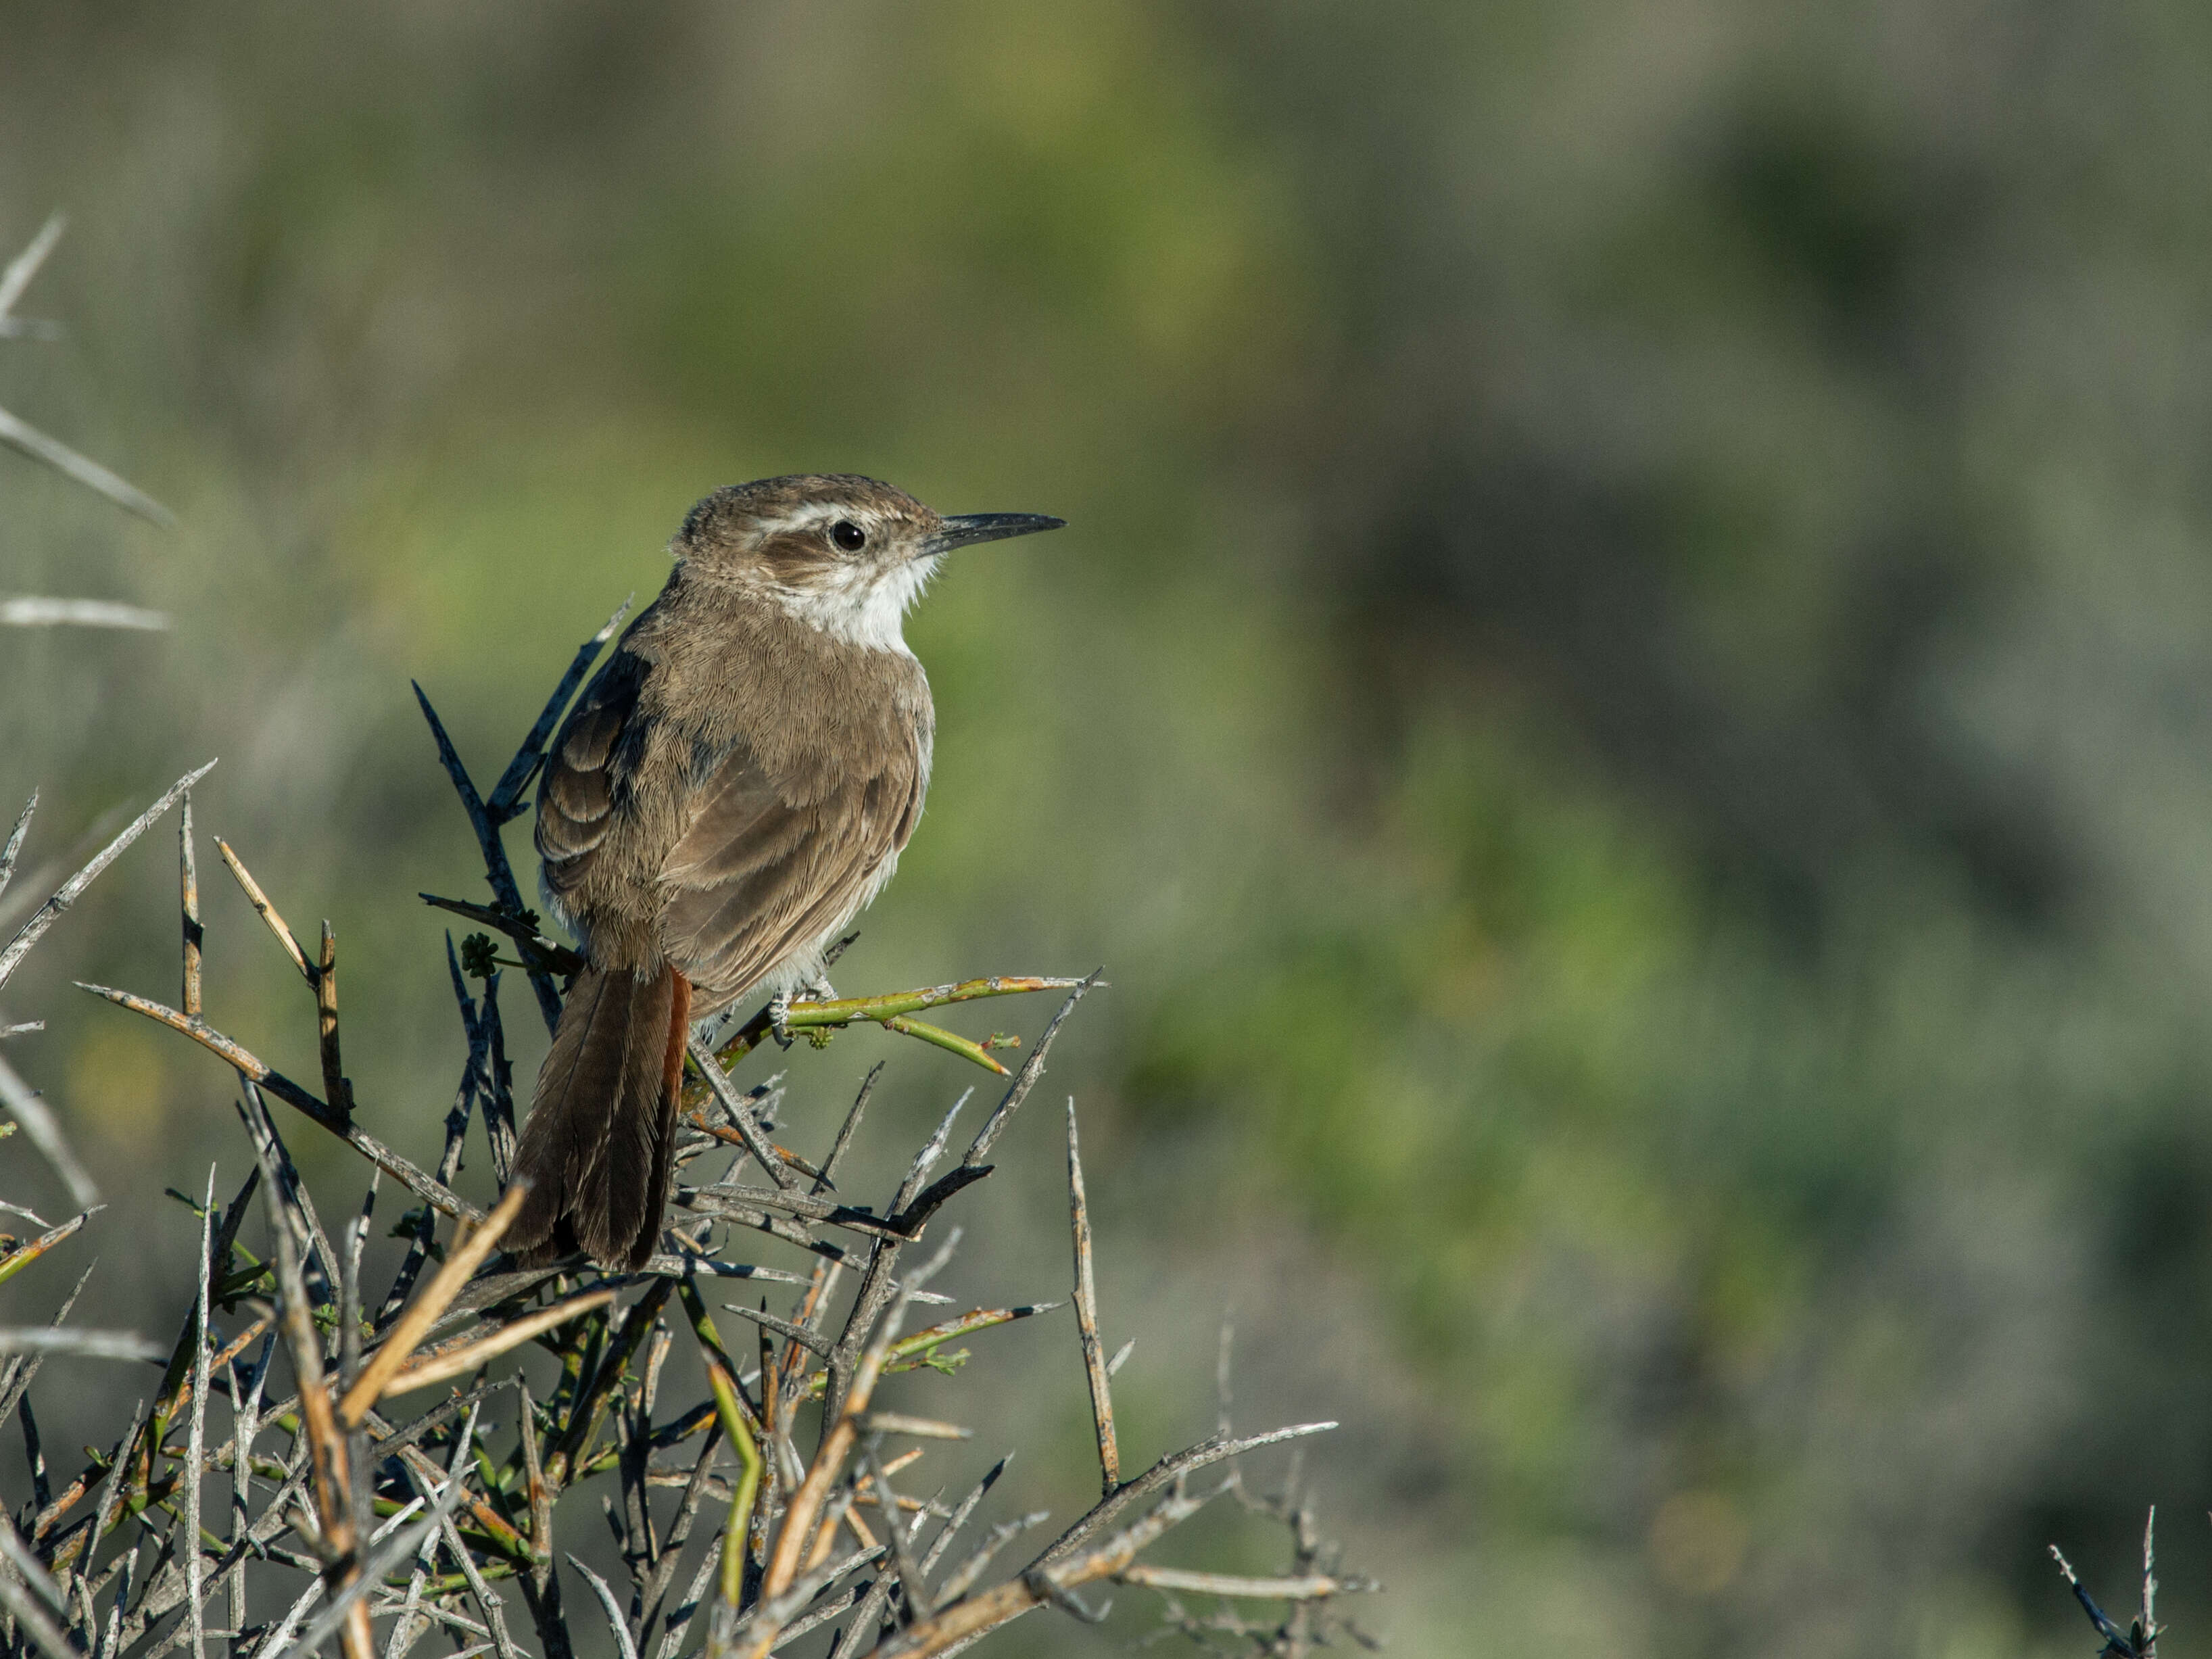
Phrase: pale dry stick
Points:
(919, 1428)
(459, 1362)
(836, 1445)
(195, 1441)
(27, 1563)
(915, 1207)
(87, 1615)
(634, 1431)
(487, 1518)
(22, 435)
(1086, 1317)
(601, 1589)
(246, 1425)
(188, 883)
(2150, 1576)
(111, 1488)
(487, 1601)
(958, 1519)
(670, 1265)
(784, 1327)
(837, 1604)
(963, 1576)
(1313, 1587)
(411, 1619)
(1025, 1079)
(878, 1286)
(715, 1133)
(25, 265)
(774, 1611)
(415, 1322)
(42, 610)
(1175, 1466)
(333, 1480)
(115, 1618)
(50, 912)
(433, 1192)
(299, 1206)
(679, 1620)
(679, 1530)
(278, 928)
(724, 1203)
(972, 1616)
(849, 1128)
(23, 1592)
(350, 1606)
(404, 1634)
(166, 1594)
(84, 1345)
(348, 1347)
(738, 1110)
(914, 1589)
(275, 1643)
(14, 846)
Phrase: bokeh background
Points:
(1627, 699)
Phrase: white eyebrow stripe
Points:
(815, 513)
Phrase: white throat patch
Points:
(865, 608)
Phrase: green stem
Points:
(741, 1504)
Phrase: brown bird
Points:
(735, 784)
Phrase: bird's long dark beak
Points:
(968, 527)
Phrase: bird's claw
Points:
(779, 1018)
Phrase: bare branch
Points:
(1087, 1316)
(435, 1193)
(21, 435)
(414, 1324)
(37, 610)
(25, 265)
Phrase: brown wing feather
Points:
(770, 864)
(585, 771)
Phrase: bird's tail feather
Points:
(597, 1148)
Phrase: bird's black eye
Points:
(848, 535)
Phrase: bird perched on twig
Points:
(736, 783)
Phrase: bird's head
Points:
(845, 554)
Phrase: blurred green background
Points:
(1626, 699)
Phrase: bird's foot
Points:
(819, 989)
(779, 1018)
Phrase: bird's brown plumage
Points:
(737, 781)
